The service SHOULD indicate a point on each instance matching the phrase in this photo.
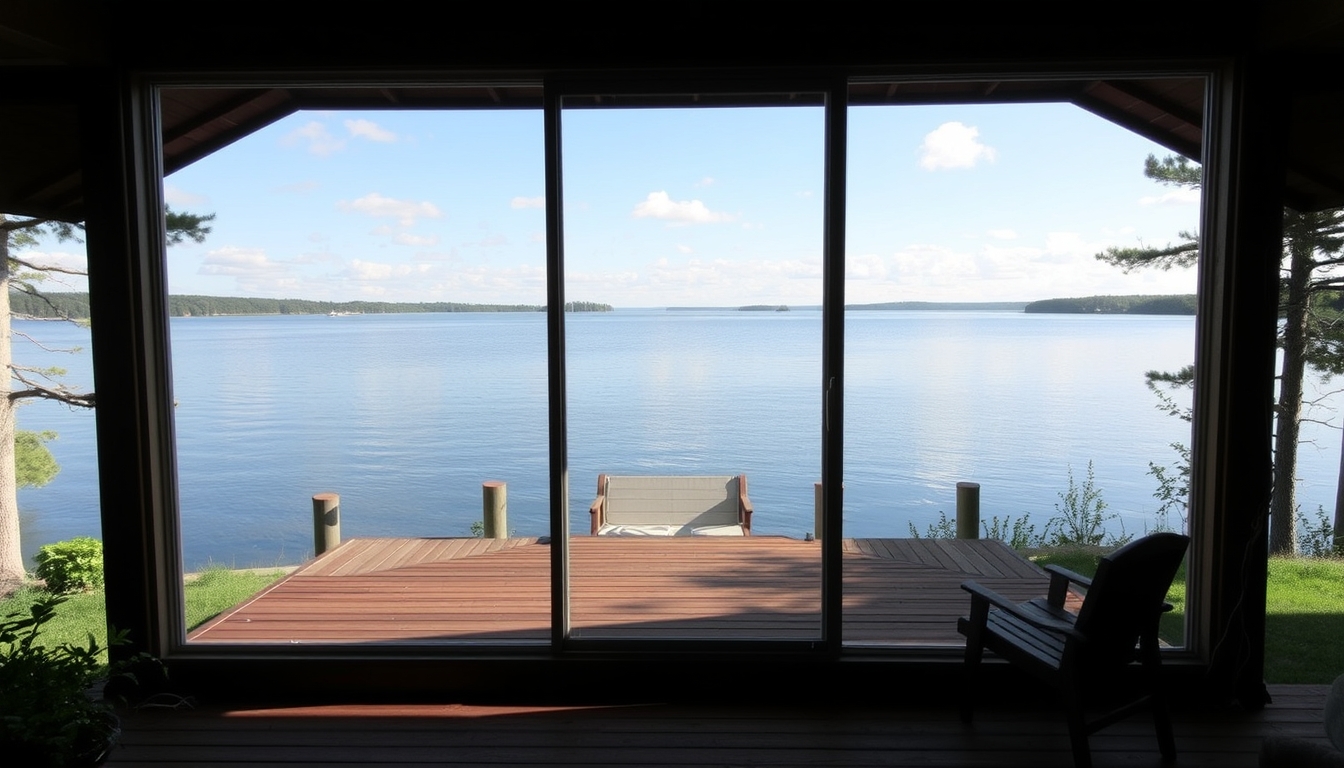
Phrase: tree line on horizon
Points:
(75, 305)
(1118, 305)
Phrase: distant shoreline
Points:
(76, 306)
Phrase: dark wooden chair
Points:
(1115, 626)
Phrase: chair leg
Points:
(970, 678)
(1157, 700)
(1073, 705)
(1082, 753)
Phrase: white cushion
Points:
(670, 530)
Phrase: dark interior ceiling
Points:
(43, 43)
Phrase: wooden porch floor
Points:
(655, 735)
(897, 591)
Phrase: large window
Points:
(699, 232)
(987, 343)
(368, 317)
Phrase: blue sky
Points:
(675, 207)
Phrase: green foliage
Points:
(1173, 170)
(71, 566)
(1017, 533)
(477, 529)
(1173, 481)
(943, 529)
(34, 466)
(1317, 538)
(48, 717)
(1117, 305)
(185, 226)
(76, 305)
(81, 614)
(1082, 516)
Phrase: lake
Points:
(406, 415)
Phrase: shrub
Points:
(1316, 539)
(50, 719)
(943, 529)
(71, 566)
(1017, 533)
(1082, 516)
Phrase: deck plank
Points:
(898, 592)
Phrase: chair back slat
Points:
(1127, 594)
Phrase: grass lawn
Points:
(1304, 620)
(207, 594)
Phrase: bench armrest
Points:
(744, 507)
(1060, 578)
(595, 512)
(982, 598)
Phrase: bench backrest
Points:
(672, 500)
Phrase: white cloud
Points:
(1179, 196)
(317, 137)
(868, 266)
(233, 261)
(528, 202)
(367, 129)
(404, 211)
(708, 181)
(658, 205)
(685, 249)
(176, 196)
(953, 145)
(1003, 234)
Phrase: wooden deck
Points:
(902, 592)
(712, 735)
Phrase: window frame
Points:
(134, 168)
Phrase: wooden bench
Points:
(671, 505)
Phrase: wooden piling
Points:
(818, 507)
(326, 522)
(968, 510)
(495, 509)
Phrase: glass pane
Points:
(366, 319)
(962, 220)
(694, 374)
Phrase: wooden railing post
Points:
(495, 509)
(968, 510)
(818, 504)
(326, 522)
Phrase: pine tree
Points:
(26, 383)
(1311, 334)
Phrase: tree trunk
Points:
(1283, 506)
(11, 554)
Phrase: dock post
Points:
(326, 522)
(495, 509)
(968, 510)
(818, 504)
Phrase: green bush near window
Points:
(71, 566)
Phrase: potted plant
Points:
(50, 712)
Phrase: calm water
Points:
(406, 415)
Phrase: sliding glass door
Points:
(693, 285)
